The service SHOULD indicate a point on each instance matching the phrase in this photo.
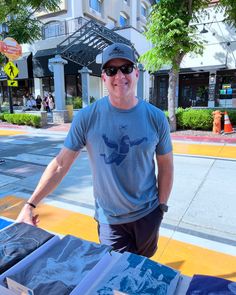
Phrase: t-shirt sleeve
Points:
(164, 145)
(76, 138)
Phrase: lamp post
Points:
(4, 30)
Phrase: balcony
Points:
(62, 28)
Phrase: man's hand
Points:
(27, 216)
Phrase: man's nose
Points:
(119, 74)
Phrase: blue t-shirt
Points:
(121, 145)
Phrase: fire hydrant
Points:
(217, 122)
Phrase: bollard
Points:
(216, 122)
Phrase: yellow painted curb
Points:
(220, 151)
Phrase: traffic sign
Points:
(11, 70)
(10, 48)
(12, 83)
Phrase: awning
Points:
(40, 65)
(214, 57)
(24, 64)
(40, 62)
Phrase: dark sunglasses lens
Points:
(111, 71)
(127, 69)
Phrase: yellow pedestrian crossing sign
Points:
(11, 70)
(12, 83)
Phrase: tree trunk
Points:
(173, 79)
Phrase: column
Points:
(140, 92)
(56, 65)
(38, 87)
(212, 89)
(85, 85)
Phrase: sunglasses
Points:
(125, 69)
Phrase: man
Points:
(122, 135)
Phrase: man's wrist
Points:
(163, 207)
(30, 204)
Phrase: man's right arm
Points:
(50, 179)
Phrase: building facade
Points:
(207, 80)
(124, 17)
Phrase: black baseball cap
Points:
(118, 50)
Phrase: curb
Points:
(200, 138)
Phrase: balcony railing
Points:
(60, 28)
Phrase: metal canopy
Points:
(88, 41)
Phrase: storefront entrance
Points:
(193, 90)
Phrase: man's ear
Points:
(103, 77)
(137, 73)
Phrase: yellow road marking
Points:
(191, 259)
(11, 132)
(53, 219)
(187, 258)
(221, 151)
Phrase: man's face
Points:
(120, 85)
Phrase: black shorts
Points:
(139, 237)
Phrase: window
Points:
(123, 20)
(96, 5)
(143, 10)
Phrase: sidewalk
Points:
(181, 135)
(203, 136)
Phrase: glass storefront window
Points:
(71, 89)
(48, 85)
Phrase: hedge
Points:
(199, 119)
(196, 119)
(22, 119)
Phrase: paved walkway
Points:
(200, 228)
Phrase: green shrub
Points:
(232, 116)
(2, 116)
(36, 121)
(200, 119)
(77, 103)
(22, 119)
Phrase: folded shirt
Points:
(62, 267)
(19, 240)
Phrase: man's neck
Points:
(123, 103)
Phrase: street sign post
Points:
(12, 50)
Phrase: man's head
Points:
(119, 71)
(118, 50)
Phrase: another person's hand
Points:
(27, 216)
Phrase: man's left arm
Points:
(165, 176)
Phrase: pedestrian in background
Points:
(38, 102)
(51, 103)
(122, 135)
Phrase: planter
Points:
(69, 108)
